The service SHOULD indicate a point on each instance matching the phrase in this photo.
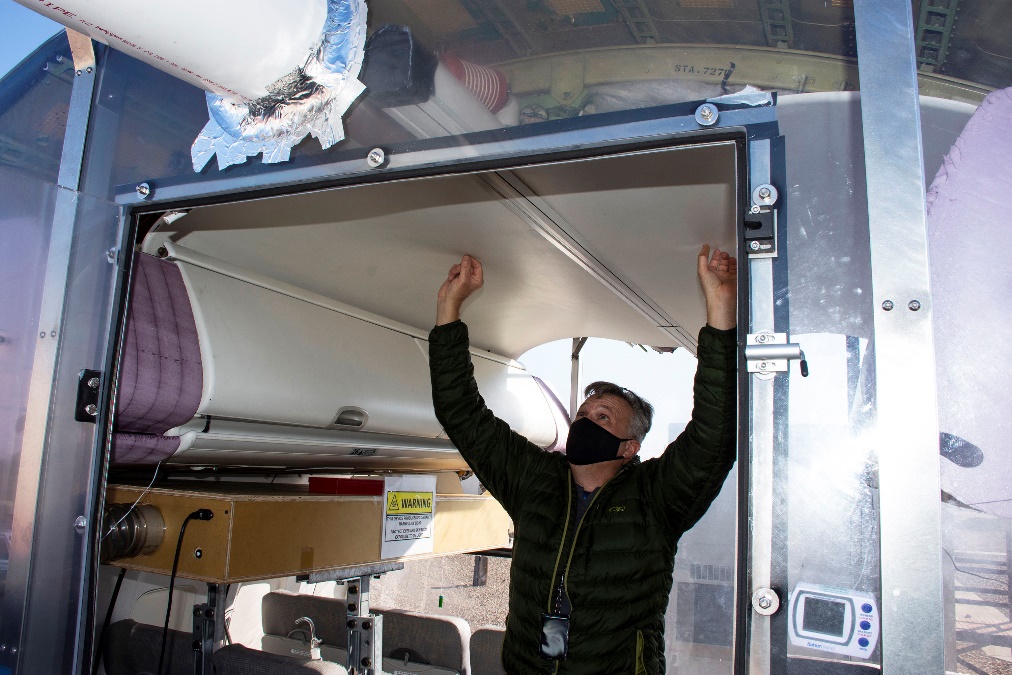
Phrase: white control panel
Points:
(832, 619)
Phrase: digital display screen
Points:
(824, 616)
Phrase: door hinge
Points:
(767, 353)
(89, 386)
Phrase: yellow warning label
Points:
(409, 502)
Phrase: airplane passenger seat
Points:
(486, 651)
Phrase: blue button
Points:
(865, 625)
(863, 642)
(866, 608)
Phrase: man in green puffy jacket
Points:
(595, 529)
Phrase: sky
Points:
(21, 31)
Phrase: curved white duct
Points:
(274, 72)
(231, 47)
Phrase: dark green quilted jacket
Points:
(618, 561)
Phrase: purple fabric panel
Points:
(161, 377)
(142, 448)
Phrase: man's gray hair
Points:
(642, 411)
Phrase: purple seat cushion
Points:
(161, 375)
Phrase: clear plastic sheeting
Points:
(25, 217)
(310, 101)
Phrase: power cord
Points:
(199, 514)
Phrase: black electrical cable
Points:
(199, 514)
(105, 624)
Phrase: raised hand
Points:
(718, 277)
(464, 278)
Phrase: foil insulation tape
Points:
(130, 532)
(310, 100)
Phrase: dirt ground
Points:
(421, 584)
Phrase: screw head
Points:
(80, 523)
(914, 305)
(367, 625)
(198, 553)
(706, 115)
(754, 245)
(352, 623)
(888, 305)
(367, 662)
(143, 190)
(352, 607)
(352, 590)
(376, 158)
(91, 409)
(764, 192)
(94, 382)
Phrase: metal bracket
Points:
(203, 632)
(761, 223)
(89, 384)
(365, 631)
(767, 353)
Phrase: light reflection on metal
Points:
(310, 100)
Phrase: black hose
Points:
(100, 648)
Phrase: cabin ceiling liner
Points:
(604, 247)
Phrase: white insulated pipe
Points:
(229, 47)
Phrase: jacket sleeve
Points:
(502, 459)
(691, 471)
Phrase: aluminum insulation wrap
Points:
(312, 99)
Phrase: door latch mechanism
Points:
(761, 223)
(767, 353)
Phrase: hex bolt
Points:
(914, 305)
(764, 193)
(94, 382)
(764, 602)
(376, 158)
(754, 245)
(352, 623)
(91, 409)
(888, 305)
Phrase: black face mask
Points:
(590, 443)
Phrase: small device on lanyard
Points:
(554, 636)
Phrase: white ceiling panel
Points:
(386, 248)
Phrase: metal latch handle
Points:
(767, 353)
